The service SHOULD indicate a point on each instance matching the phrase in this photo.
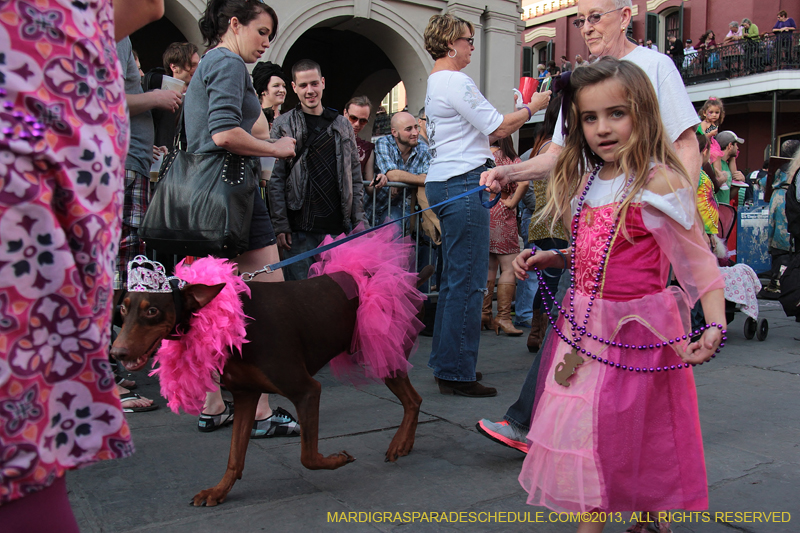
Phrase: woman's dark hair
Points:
(545, 132)
(263, 73)
(217, 17)
(506, 145)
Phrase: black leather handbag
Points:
(202, 205)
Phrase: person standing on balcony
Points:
(675, 51)
(785, 24)
(603, 25)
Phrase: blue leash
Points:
(248, 276)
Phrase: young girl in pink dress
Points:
(616, 425)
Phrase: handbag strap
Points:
(313, 137)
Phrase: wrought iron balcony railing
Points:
(742, 58)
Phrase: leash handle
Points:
(269, 269)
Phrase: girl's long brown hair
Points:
(648, 141)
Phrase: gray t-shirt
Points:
(140, 151)
(220, 97)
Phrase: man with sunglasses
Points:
(358, 110)
(603, 25)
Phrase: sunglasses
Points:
(356, 120)
(470, 40)
(592, 19)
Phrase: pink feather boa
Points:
(186, 366)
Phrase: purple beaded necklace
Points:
(572, 360)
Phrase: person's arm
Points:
(790, 25)
(239, 142)
(277, 192)
(688, 152)
(519, 194)
(155, 99)
(357, 213)
(369, 175)
(407, 177)
(535, 168)
(130, 15)
(720, 176)
(514, 121)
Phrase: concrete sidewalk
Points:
(748, 408)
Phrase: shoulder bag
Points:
(203, 203)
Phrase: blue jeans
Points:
(526, 290)
(465, 258)
(520, 413)
(302, 241)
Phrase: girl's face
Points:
(711, 35)
(276, 91)
(712, 114)
(605, 117)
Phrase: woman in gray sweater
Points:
(222, 113)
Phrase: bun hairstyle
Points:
(263, 73)
(218, 14)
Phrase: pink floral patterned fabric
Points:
(742, 286)
(503, 234)
(63, 138)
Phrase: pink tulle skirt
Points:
(616, 440)
(386, 325)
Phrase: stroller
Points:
(741, 284)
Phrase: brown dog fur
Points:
(282, 355)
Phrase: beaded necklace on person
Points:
(572, 360)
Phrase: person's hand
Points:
(166, 99)
(738, 176)
(284, 148)
(702, 350)
(508, 203)
(158, 151)
(539, 101)
(494, 179)
(525, 262)
(518, 103)
(380, 181)
(285, 241)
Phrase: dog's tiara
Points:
(145, 275)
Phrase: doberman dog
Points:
(297, 327)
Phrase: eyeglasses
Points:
(423, 119)
(592, 19)
(470, 40)
(354, 120)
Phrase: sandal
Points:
(207, 423)
(132, 396)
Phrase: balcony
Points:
(742, 58)
(544, 7)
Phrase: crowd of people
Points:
(607, 201)
(754, 51)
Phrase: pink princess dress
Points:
(624, 439)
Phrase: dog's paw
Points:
(207, 498)
(346, 457)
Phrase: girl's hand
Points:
(508, 202)
(525, 262)
(702, 350)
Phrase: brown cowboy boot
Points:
(505, 295)
(535, 336)
(487, 318)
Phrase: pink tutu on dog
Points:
(387, 325)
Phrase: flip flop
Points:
(128, 396)
(125, 382)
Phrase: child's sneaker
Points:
(280, 424)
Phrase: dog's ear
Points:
(198, 295)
